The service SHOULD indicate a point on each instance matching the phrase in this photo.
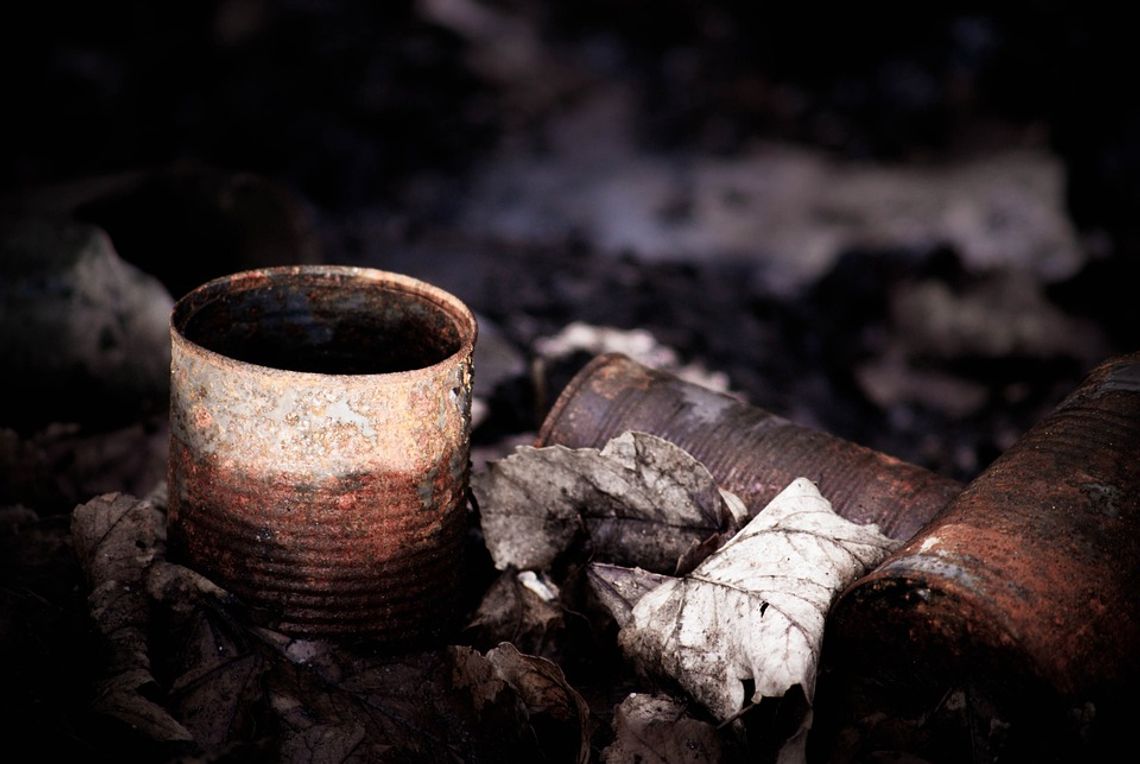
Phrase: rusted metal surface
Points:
(1023, 597)
(320, 421)
(749, 451)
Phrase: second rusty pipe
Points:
(1025, 591)
(749, 451)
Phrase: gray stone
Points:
(83, 334)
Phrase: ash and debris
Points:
(918, 241)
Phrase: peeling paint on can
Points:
(320, 424)
(749, 451)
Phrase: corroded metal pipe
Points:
(749, 451)
(320, 421)
(1022, 600)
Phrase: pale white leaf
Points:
(754, 610)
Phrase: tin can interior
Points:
(322, 322)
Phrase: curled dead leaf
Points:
(548, 698)
(513, 611)
(181, 590)
(117, 538)
(620, 589)
(640, 501)
(123, 697)
(217, 691)
(657, 728)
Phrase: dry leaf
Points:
(120, 543)
(754, 610)
(513, 611)
(117, 538)
(183, 591)
(218, 691)
(442, 705)
(240, 691)
(123, 697)
(449, 704)
(641, 501)
(547, 695)
(620, 589)
(651, 728)
(330, 744)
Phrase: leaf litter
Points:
(728, 614)
(188, 674)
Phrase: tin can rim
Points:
(455, 309)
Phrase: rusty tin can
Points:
(749, 451)
(320, 424)
(1011, 623)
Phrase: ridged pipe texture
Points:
(1020, 603)
(749, 451)
(320, 425)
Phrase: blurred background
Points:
(912, 227)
